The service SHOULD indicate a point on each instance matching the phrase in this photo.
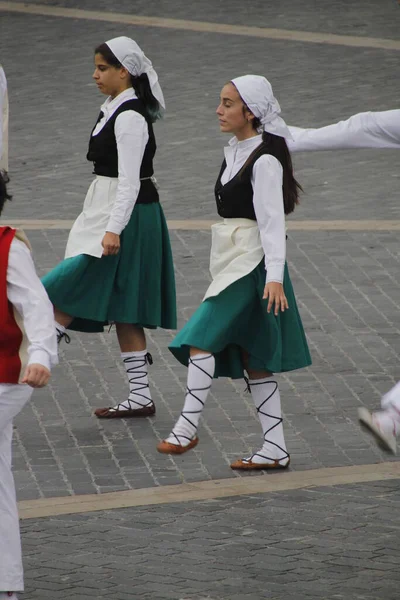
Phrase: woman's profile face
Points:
(232, 114)
(108, 79)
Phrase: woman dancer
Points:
(118, 263)
(244, 323)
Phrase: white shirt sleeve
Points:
(26, 292)
(131, 133)
(364, 130)
(3, 95)
(267, 179)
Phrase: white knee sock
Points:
(7, 596)
(136, 368)
(59, 327)
(61, 333)
(266, 397)
(200, 374)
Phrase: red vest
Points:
(11, 333)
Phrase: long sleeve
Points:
(268, 206)
(26, 292)
(131, 133)
(363, 130)
(3, 121)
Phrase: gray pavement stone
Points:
(49, 138)
(61, 448)
(331, 543)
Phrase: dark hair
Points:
(4, 195)
(277, 147)
(140, 84)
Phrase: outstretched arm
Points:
(363, 130)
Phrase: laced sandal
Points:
(247, 464)
(125, 413)
(121, 411)
(165, 447)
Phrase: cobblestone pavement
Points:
(337, 542)
(349, 295)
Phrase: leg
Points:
(384, 425)
(265, 393)
(12, 399)
(62, 318)
(200, 374)
(132, 342)
(131, 338)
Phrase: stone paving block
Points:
(307, 553)
(347, 285)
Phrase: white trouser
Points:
(12, 399)
(392, 398)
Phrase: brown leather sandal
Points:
(243, 464)
(113, 413)
(167, 448)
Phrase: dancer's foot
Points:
(259, 462)
(382, 426)
(126, 410)
(176, 447)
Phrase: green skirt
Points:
(136, 286)
(237, 319)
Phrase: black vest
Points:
(235, 198)
(104, 155)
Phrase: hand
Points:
(273, 291)
(37, 376)
(110, 243)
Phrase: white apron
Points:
(89, 228)
(236, 251)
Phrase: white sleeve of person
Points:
(131, 133)
(364, 130)
(267, 178)
(26, 292)
(3, 124)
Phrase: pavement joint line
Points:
(202, 26)
(209, 490)
(198, 225)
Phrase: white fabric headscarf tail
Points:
(256, 92)
(132, 57)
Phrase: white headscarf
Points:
(132, 57)
(256, 92)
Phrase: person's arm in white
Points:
(26, 292)
(131, 133)
(363, 130)
(3, 92)
(267, 178)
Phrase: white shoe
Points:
(384, 436)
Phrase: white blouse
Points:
(26, 292)
(267, 179)
(363, 130)
(131, 134)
